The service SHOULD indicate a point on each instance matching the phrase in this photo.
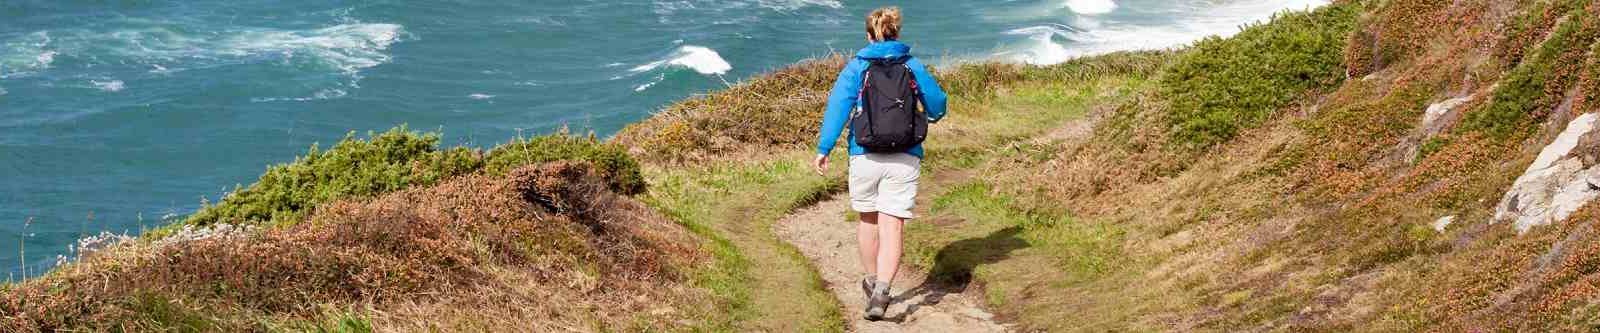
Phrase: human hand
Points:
(820, 164)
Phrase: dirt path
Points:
(823, 235)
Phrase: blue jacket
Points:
(844, 97)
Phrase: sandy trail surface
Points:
(823, 235)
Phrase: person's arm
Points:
(933, 97)
(845, 95)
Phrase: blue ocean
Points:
(122, 115)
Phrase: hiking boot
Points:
(866, 287)
(878, 301)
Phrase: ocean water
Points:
(120, 115)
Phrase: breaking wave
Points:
(1051, 44)
(1091, 7)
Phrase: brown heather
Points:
(1319, 219)
(545, 247)
(761, 117)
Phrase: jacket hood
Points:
(884, 49)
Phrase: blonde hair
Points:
(884, 24)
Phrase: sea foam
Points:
(347, 47)
(1042, 47)
(108, 85)
(1091, 7)
(699, 58)
(797, 4)
(1051, 44)
(27, 55)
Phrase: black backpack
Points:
(889, 119)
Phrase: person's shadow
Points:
(953, 265)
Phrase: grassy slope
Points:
(393, 233)
(1211, 194)
(763, 283)
(1226, 195)
(1314, 217)
(734, 197)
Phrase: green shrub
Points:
(611, 160)
(1223, 86)
(386, 162)
(395, 160)
(1532, 89)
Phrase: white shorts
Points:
(885, 183)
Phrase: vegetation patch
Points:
(1532, 90)
(394, 160)
(1222, 86)
(759, 282)
(494, 241)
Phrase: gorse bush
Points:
(386, 162)
(612, 161)
(394, 160)
(1223, 86)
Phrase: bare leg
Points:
(867, 242)
(889, 243)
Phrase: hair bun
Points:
(884, 24)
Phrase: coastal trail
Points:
(823, 234)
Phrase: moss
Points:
(1223, 86)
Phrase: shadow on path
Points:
(953, 266)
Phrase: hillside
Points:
(1377, 165)
(1372, 165)
(391, 233)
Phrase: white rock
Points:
(1437, 110)
(1443, 222)
(1555, 185)
(1576, 193)
(1564, 143)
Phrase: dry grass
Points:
(779, 109)
(1318, 220)
(549, 246)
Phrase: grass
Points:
(1081, 250)
(763, 283)
(1312, 220)
(733, 197)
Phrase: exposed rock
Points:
(1435, 119)
(1437, 111)
(1443, 222)
(1556, 184)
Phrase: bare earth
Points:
(823, 235)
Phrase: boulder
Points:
(1556, 184)
(1437, 111)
